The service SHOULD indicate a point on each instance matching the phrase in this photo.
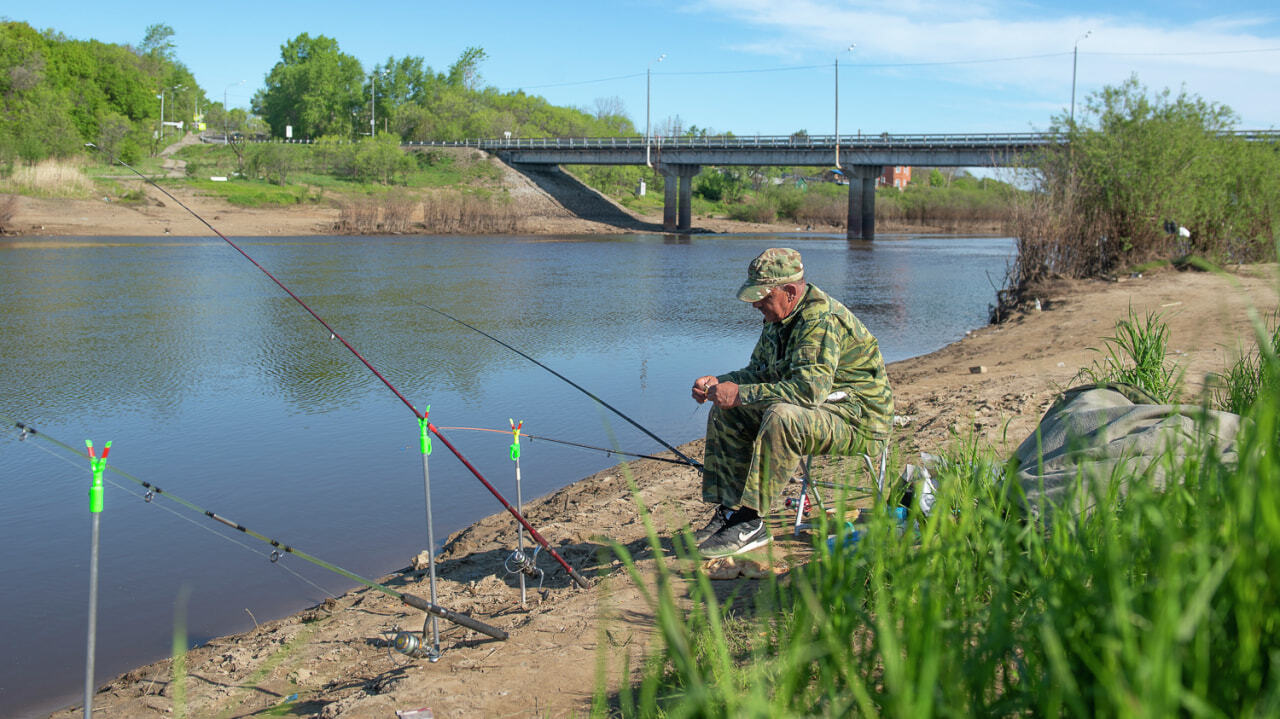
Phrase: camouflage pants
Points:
(753, 450)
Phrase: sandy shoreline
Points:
(333, 657)
(157, 215)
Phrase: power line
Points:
(1185, 54)
(872, 65)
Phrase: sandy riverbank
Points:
(333, 657)
(155, 215)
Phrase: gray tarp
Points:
(1094, 433)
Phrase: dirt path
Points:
(173, 166)
(334, 657)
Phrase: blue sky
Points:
(752, 66)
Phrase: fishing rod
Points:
(421, 416)
(606, 450)
(153, 491)
(575, 385)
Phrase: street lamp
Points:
(174, 91)
(1074, 51)
(160, 134)
(648, 84)
(851, 47)
(373, 100)
(226, 114)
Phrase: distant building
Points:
(898, 176)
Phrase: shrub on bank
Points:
(1146, 176)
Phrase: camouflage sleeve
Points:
(810, 368)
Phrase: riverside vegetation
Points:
(1157, 605)
(1135, 171)
(59, 93)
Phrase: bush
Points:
(761, 209)
(725, 185)
(272, 161)
(1119, 186)
(381, 160)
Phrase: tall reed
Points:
(48, 178)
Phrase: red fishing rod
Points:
(421, 416)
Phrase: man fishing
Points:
(815, 384)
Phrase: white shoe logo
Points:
(744, 533)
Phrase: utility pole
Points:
(648, 85)
(226, 113)
(1075, 49)
(851, 47)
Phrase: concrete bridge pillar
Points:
(862, 201)
(677, 196)
(669, 187)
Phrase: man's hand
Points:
(724, 395)
(700, 387)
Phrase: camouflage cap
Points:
(775, 266)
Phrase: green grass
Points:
(1254, 375)
(149, 166)
(1160, 604)
(255, 193)
(1137, 355)
(309, 182)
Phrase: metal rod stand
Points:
(93, 617)
(431, 541)
(97, 465)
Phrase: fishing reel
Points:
(527, 564)
(411, 644)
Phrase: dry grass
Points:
(449, 213)
(359, 217)
(49, 178)
(453, 213)
(8, 208)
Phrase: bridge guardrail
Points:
(882, 141)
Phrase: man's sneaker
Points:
(736, 539)
(718, 520)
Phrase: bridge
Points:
(860, 157)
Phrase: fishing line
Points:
(421, 416)
(606, 450)
(149, 495)
(571, 383)
(278, 547)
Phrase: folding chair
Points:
(810, 485)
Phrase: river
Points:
(216, 386)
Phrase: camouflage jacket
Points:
(818, 351)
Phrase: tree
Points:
(1131, 170)
(612, 113)
(158, 41)
(315, 87)
(465, 72)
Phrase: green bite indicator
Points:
(98, 465)
(515, 445)
(423, 428)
